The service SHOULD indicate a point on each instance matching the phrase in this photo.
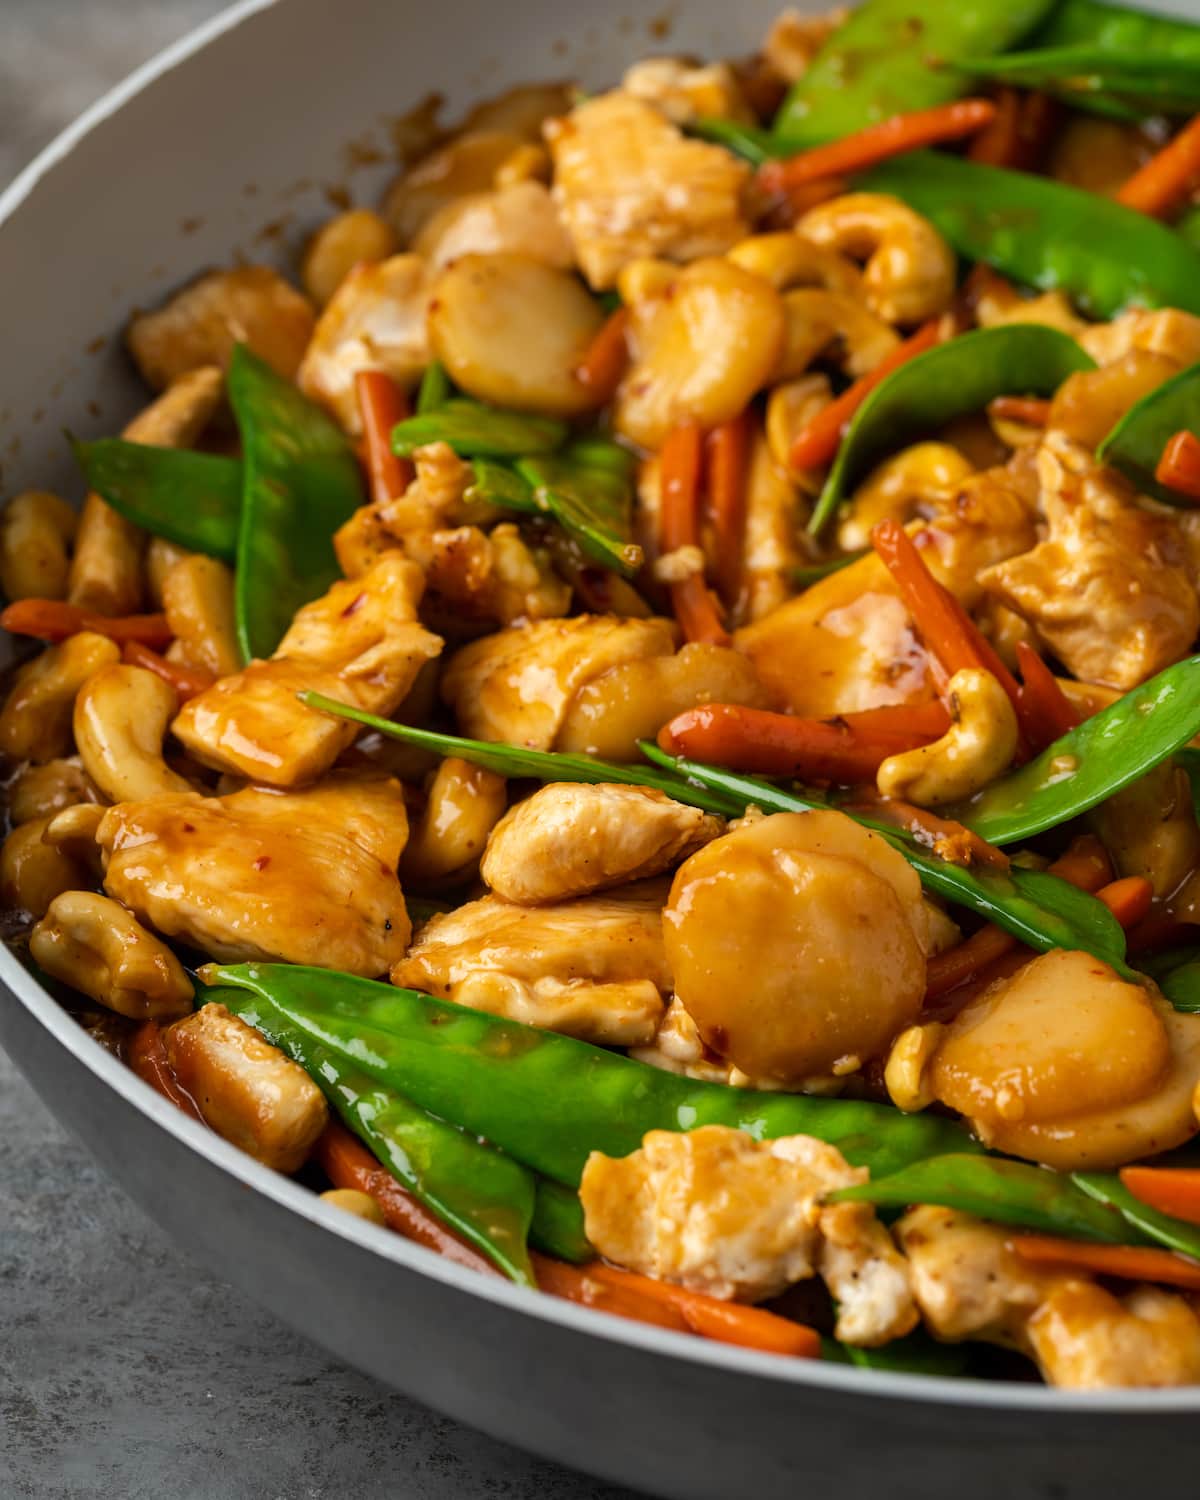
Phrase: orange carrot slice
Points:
(381, 404)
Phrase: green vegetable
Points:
(949, 380)
(435, 388)
(1092, 761)
(591, 502)
(1177, 974)
(1039, 909)
(479, 1192)
(300, 483)
(1143, 1221)
(498, 484)
(812, 573)
(1136, 443)
(540, 765)
(890, 57)
(557, 1226)
(748, 141)
(194, 499)
(1005, 1192)
(1118, 31)
(477, 431)
(1188, 225)
(1045, 234)
(915, 1354)
(1120, 86)
(548, 1100)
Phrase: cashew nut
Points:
(791, 406)
(41, 791)
(98, 947)
(35, 722)
(788, 260)
(833, 323)
(339, 245)
(977, 747)
(33, 873)
(73, 833)
(197, 596)
(644, 277)
(905, 1073)
(910, 269)
(36, 529)
(446, 842)
(121, 716)
(924, 475)
(466, 164)
(351, 1201)
(161, 557)
(519, 218)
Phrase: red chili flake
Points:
(262, 861)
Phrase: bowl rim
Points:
(25, 988)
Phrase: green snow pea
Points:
(482, 1194)
(1117, 31)
(915, 1354)
(750, 142)
(1136, 443)
(591, 501)
(1187, 226)
(477, 431)
(890, 56)
(1143, 1221)
(300, 483)
(950, 380)
(548, 1100)
(1119, 86)
(1006, 1192)
(557, 1223)
(1177, 974)
(1045, 234)
(1092, 761)
(1039, 909)
(435, 389)
(194, 499)
(540, 765)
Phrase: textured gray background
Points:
(126, 1370)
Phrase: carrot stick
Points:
(679, 526)
(147, 1056)
(188, 682)
(892, 137)
(1028, 409)
(381, 404)
(348, 1164)
(728, 453)
(1045, 711)
(772, 744)
(580, 1284)
(1161, 185)
(55, 620)
(1179, 466)
(1129, 899)
(1130, 1262)
(1171, 1190)
(727, 1322)
(946, 971)
(819, 441)
(929, 719)
(604, 362)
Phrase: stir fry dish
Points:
(635, 723)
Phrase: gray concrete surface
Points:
(127, 1371)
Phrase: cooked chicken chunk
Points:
(628, 184)
(200, 325)
(1108, 591)
(795, 39)
(685, 93)
(478, 578)
(771, 549)
(518, 685)
(245, 1088)
(592, 968)
(969, 1284)
(741, 1219)
(306, 877)
(569, 839)
(374, 321)
(360, 643)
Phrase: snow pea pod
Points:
(1136, 443)
(482, 1194)
(485, 1073)
(194, 499)
(591, 501)
(1005, 1192)
(1116, 85)
(1045, 234)
(1117, 30)
(950, 380)
(300, 483)
(557, 1223)
(1092, 761)
(915, 1354)
(1147, 1222)
(1177, 974)
(435, 388)
(750, 142)
(878, 62)
(477, 431)
(1187, 226)
(1039, 909)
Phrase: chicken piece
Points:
(519, 217)
(245, 1088)
(1150, 829)
(360, 643)
(969, 1284)
(1108, 591)
(685, 93)
(795, 39)
(479, 578)
(629, 184)
(374, 321)
(200, 325)
(723, 1214)
(593, 968)
(771, 549)
(305, 877)
(518, 685)
(569, 839)
(1166, 331)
